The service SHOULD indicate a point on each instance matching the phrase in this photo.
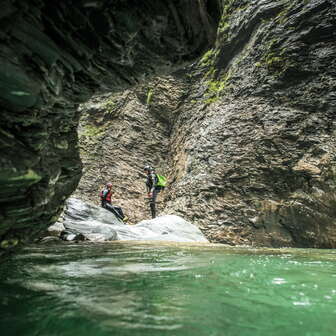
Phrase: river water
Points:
(167, 289)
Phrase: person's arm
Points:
(148, 185)
(152, 177)
(102, 198)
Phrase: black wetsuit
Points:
(151, 184)
(106, 203)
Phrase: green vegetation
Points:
(110, 106)
(274, 62)
(92, 131)
(209, 101)
(223, 26)
(207, 62)
(208, 58)
(274, 58)
(229, 7)
(282, 17)
(9, 243)
(216, 87)
(149, 96)
(27, 178)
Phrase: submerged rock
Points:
(49, 239)
(69, 236)
(98, 224)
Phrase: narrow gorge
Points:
(233, 100)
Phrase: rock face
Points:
(121, 133)
(250, 141)
(98, 224)
(55, 55)
(259, 165)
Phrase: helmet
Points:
(109, 185)
(148, 168)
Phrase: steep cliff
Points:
(250, 142)
(120, 133)
(54, 55)
(251, 155)
(259, 166)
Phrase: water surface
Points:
(167, 289)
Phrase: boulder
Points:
(164, 228)
(92, 222)
(56, 229)
(98, 224)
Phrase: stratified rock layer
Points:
(121, 133)
(251, 143)
(251, 156)
(259, 166)
(54, 55)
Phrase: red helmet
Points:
(109, 185)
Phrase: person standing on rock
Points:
(154, 184)
(105, 197)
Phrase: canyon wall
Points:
(251, 146)
(55, 55)
(248, 138)
(119, 134)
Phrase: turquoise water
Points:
(143, 289)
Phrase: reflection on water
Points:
(171, 289)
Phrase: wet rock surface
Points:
(83, 221)
(260, 161)
(248, 139)
(55, 55)
(251, 154)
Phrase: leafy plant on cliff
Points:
(92, 131)
(216, 87)
(110, 106)
(149, 96)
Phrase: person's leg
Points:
(111, 208)
(108, 207)
(152, 208)
(119, 211)
(152, 202)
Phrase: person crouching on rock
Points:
(105, 197)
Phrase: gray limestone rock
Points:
(97, 224)
(164, 228)
(251, 145)
(55, 55)
(250, 142)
